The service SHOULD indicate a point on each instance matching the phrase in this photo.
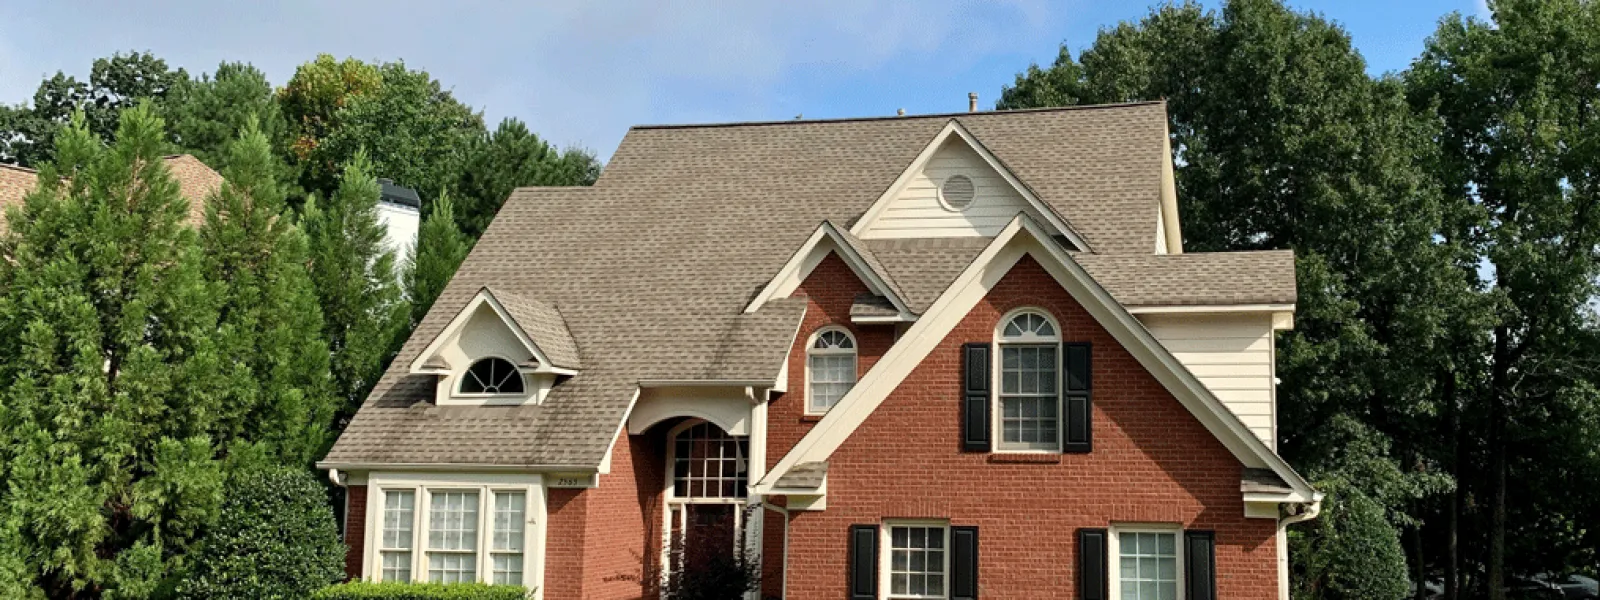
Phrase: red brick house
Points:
(948, 356)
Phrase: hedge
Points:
(363, 590)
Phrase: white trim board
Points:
(1022, 238)
(824, 240)
(955, 128)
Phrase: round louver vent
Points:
(957, 192)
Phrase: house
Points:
(945, 356)
(399, 212)
(195, 180)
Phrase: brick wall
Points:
(604, 542)
(355, 528)
(1152, 462)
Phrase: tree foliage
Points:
(276, 540)
(115, 83)
(206, 114)
(357, 283)
(112, 371)
(278, 389)
(439, 250)
(510, 158)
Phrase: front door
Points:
(706, 496)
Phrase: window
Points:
(831, 368)
(1030, 378)
(918, 561)
(394, 549)
(453, 537)
(1147, 564)
(451, 534)
(506, 552)
(706, 495)
(492, 376)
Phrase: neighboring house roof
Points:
(196, 182)
(654, 266)
(395, 194)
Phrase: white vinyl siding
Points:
(1232, 355)
(916, 211)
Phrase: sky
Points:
(581, 72)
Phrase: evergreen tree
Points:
(357, 283)
(510, 158)
(111, 371)
(279, 392)
(204, 115)
(439, 251)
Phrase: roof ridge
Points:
(19, 168)
(949, 115)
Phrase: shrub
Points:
(362, 590)
(276, 538)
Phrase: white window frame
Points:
(854, 352)
(423, 486)
(528, 389)
(383, 521)
(886, 556)
(1114, 552)
(996, 395)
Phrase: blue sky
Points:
(581, 72)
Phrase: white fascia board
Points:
(971, 287)
(955, 128)
(1210, 308)
(900, 318)
(455, 467)
(825, 239)
(483, 297)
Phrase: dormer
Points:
(956, 188)
(501, 349)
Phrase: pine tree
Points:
(357, 284)
(110, 370)
(439, 251)
(279, 391)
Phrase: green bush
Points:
(362, 590)
(276, 538)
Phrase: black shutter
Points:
(1092, 565)
(963, 563)
(1199, 565)
(975, 397)
(1078, 435)
(863, 562)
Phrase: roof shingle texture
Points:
(653, 266)
(544, 325)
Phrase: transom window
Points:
(1147, 565)
(492, 376)
(1030, 382)
(450, 534)
(918, 561)
(831, 368)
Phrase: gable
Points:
(956, 188)
(1022, 239)
(824, 242)
(919, 209)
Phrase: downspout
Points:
(1302, 511)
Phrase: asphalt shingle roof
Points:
(196, 181)
(653, 266)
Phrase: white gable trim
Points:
(484, 297)
(1024, 238)
(822, 241)
(955, 128)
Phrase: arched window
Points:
(1030, 382)
(830, 368)
(492, 376)
(709, 470)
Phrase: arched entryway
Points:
(706, 493)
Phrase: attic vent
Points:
(957, 192)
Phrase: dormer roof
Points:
(538, 325)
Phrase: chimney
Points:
(972, 102)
